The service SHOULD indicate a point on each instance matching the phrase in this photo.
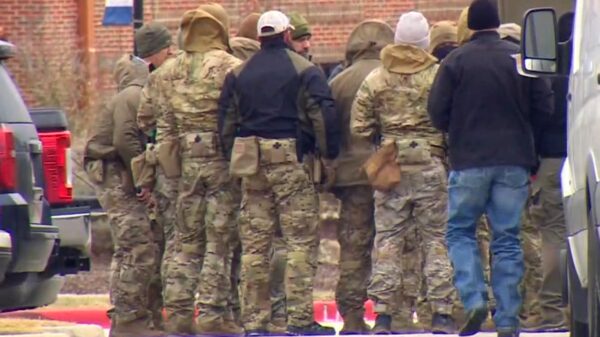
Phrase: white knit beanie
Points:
(413, 29)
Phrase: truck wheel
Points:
(593, 278)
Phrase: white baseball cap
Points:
(272, 23)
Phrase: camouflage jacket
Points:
(189, 98)
(392, 100)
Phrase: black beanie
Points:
(483, 14)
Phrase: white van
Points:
(579, 58)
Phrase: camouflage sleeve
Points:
(363, 117)
(228, 114)
(146, 116)
(167, 130)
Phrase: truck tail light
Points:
(57, 166)
(8, 162)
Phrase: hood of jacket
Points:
(243, 48)
(367, 40)
(130, 70)
(205, 28)
(463, 32)
(406, 59)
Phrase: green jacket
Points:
(362, 57)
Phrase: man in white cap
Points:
(277, 108)
(391, 108)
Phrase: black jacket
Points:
(551, 132)
(279, 94)
(486, 107)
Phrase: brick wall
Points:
(46, 31)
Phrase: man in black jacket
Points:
(486, 107)
(278, 106)
(547, 209)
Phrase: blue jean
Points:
(501, 193)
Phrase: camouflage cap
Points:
(152, 38)
(301, 26)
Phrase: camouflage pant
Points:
(355, 235)
(165, 195)
(135, 254)
(419, 201)
(532, 279)
(207, 206)
(280, 192)
(277, 280)
(547, 215)
(412, 295)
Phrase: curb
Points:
(324, 312)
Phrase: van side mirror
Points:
(540, 42)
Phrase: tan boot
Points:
(216, 325)
(354, 324)
(278, 325)
(136, 328)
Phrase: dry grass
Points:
(80, 301)
(18, 325)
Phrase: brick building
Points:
(66, 53)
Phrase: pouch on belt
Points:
(278, 151)
(382, 168)
(413, 152)
(169, 159)
(244, 157)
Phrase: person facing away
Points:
(276, 109)
(486, 108)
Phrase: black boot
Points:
(475, 319)
(383, 325)
(310, 330)
(442, 324)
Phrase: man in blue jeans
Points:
(487, 109)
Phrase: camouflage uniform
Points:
(206, 205)
(108, 153)
(258, 106)
(419, 200)
(262, 198)
(357, 226)
(165, 191)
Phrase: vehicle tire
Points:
(577, 296)
(593, 301)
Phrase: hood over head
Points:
(248, 27)
(510, 31)
(205, 28)
(443, 32)
(243, 48)
(367, 40)
(406, 59)
(130, 70)
(463, 32)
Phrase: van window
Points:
(12, 108)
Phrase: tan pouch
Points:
(330, 207)
(143, 171)
(201, 144)
(244, 157)
(382, 168)
(169, 159)
(95, 170)
(413, 152)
